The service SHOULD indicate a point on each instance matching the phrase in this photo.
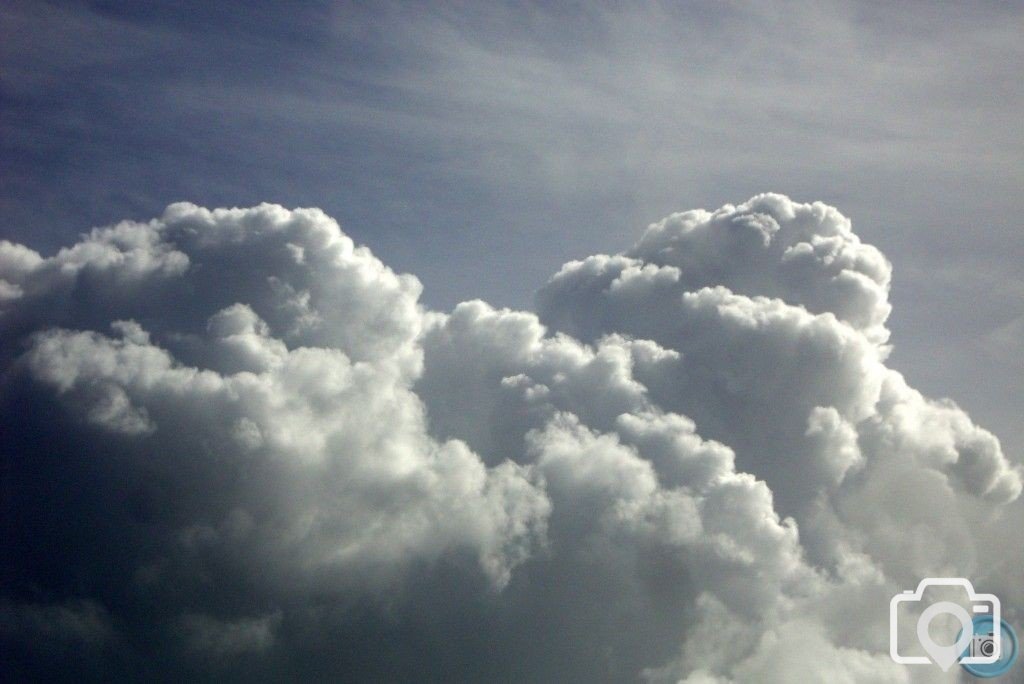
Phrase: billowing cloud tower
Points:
(236, 446)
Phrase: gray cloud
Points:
(243, 449)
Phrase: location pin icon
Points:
(945, 656)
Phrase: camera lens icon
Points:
(971, 647)
(983, 645)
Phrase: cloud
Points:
(245, 449)
(78, 622)
(217, 638)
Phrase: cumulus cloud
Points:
(240, 447)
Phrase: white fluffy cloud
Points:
(692, 464)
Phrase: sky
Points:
(209, 385)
